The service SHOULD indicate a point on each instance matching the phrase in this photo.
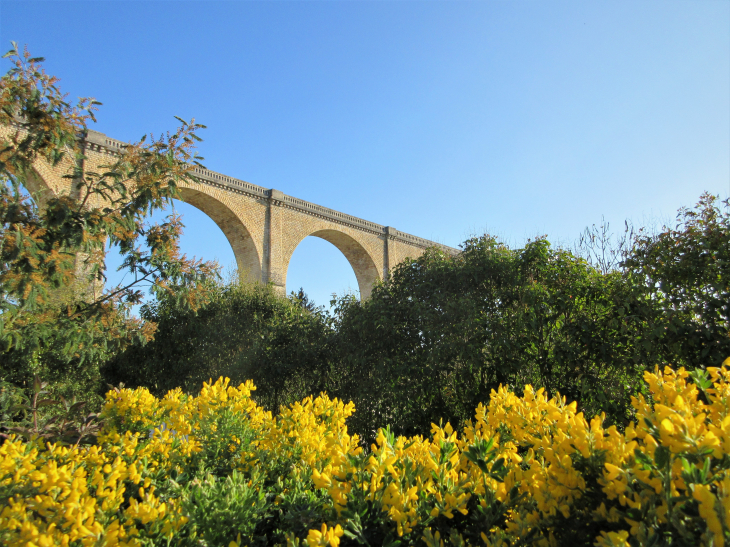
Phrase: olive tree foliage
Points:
(243, 332)
(48, 322)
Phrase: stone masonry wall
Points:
(263, 226)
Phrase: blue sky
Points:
(443, 119)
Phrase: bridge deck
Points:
(99, 141)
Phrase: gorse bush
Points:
(217, 469)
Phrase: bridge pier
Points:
(274, 268)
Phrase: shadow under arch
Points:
(239, 238)
(38, 188)
(360, 260)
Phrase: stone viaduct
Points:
(265, 226)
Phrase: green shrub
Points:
(244, 331)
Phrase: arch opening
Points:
(244, 249)
(362, 264)
(321, 270)
(204, 237)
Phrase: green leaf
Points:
(662, 456)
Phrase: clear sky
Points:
(442, 119)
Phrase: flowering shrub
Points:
(218, 470)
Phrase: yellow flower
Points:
(707, 511)
(64, 496)
(613, 539)
(325, 536)
(612, 472)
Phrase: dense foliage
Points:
(244, 332)
(684, 272)
(443, 331)
(217, 469)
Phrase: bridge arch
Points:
(247, 256)
(366, 271)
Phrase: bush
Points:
(527, 470)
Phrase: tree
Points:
(684, 275)
(43, 314)
(442, 332)
(303, 300)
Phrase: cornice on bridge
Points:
(100, 142)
